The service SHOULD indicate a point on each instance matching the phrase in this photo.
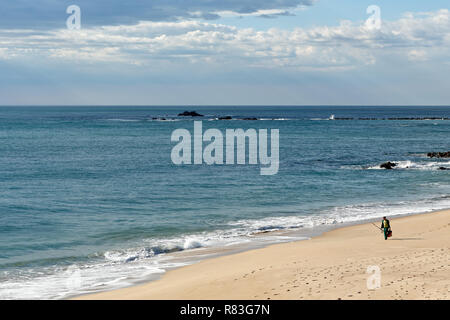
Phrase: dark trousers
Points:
(385, 230)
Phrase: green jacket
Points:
(388, 224)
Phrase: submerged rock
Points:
(443, 168)
(388, 165)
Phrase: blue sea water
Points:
(90, 200)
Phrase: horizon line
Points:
(224, 105)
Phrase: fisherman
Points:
(386, 227)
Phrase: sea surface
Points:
(90, 199)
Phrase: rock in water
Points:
(439, 154)
(388, 165)
(190, 114)
(443, 168)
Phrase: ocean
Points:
(90, 199)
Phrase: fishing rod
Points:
(377, 227)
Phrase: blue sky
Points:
(331, 12)
(209, 52)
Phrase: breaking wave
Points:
(407, 164)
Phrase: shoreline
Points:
(249, 274)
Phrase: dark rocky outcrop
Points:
(439, 154)
(250, 119)
(388, 165)
(190, 114)
(225, 118)
(443, 168)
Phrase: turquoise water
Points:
(92, 191)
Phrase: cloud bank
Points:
(198, 61)
(415, 37)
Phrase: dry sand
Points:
(414, 264)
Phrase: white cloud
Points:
(350, 45)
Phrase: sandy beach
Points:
(414, 264)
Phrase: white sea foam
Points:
(124, 120)
(422, 165)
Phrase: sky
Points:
(225, 52)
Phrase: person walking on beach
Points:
(386, 227)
